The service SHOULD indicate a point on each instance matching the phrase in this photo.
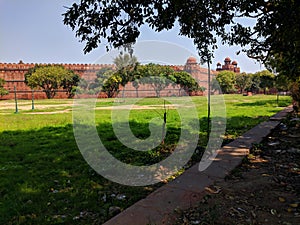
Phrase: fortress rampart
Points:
(14, 76)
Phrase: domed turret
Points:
(228, 65)
(191, 65)
(227, 59)
(219, 66)
(191, 60)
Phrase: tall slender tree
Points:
(126, 65)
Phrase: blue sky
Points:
(33, 31)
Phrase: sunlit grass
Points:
(44, 178)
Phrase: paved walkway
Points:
(188, 189)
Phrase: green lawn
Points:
(44, 178)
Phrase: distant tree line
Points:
(51, 78)
(262, 81)
(110, 80)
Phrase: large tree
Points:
(123, 72)
(119, 22)
(273, 39)
(243, 81)
(70, 83)
(227, 81)
(186, 82)
(112, 85)
(158, 76)
(282, 83)
(108, 81)
(126, 65)
(267, 79)
(50, 78)
(101, 76)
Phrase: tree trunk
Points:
(50, 94)
(137, 92)
(157, 93)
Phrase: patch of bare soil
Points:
(265, 189)
(27, 105)
(54, 112)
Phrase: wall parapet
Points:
(14, 74)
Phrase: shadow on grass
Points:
(280, 103)
(45, 180)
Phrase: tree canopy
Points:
(274, 39)
(267, 79)
(243, 81)
(226, 80)
(119, 22)
(50, 78)
(157, 76)
(259, 81)
(125, 60)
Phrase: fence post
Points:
(32, 99)
(16, 101)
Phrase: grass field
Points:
(45, 180)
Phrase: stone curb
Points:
(189, 188)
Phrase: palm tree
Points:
(126, 65)
(123, 61)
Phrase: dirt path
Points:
(28, 105)
(265, 189)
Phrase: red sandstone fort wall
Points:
(14, 75)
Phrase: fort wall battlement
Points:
(14, 75)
